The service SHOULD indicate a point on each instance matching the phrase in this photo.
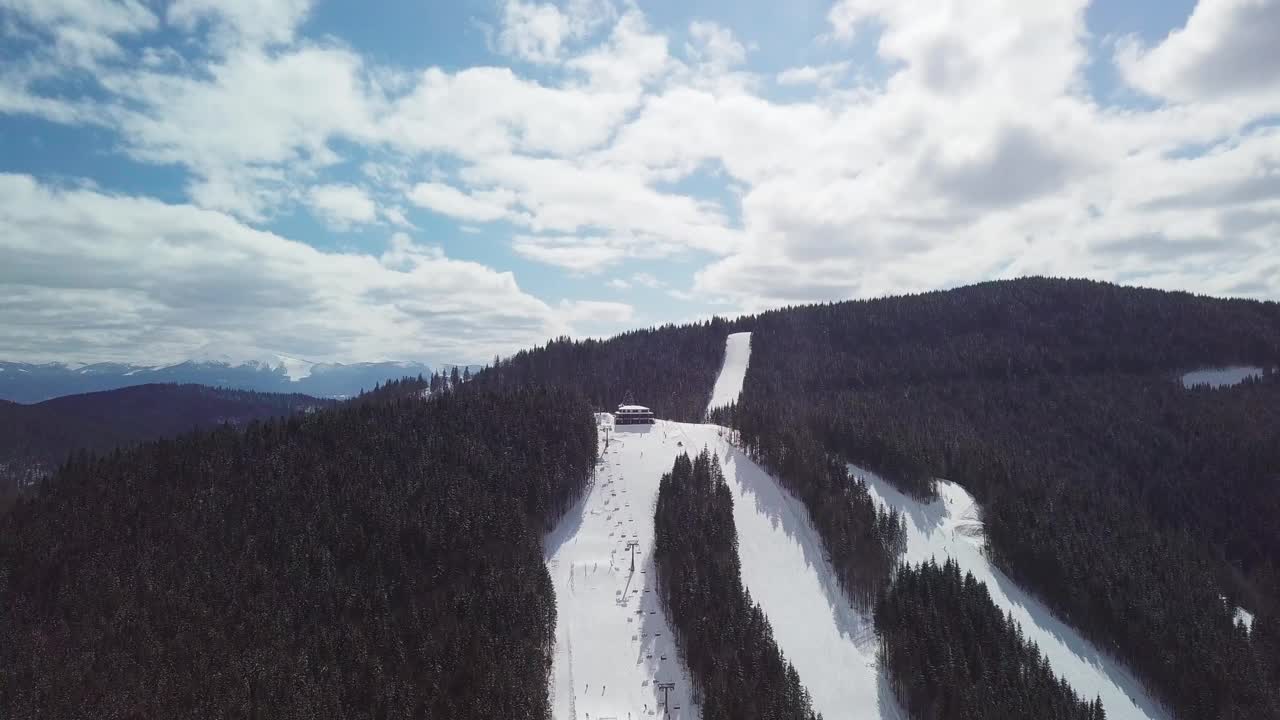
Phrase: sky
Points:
(448, 181)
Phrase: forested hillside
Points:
(670, 369)
(382, 559)
(35, 439)
(950, 653)
(724, 637)
(1127, 502)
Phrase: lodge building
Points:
(633, 415)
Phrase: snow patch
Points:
(1246, 617)
(295, 368)
(1220, 377)
(951, 526)
(737, 353)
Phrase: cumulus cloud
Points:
(82, 31)
(979, 150)
(103, 276)
(537, 32)
(237, 22)
(597, 318)
(823, 76)
(483, 206)
(1226, 49)
(342, 206)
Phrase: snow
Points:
(613, 643)
(295, 368)
(952, 526)
(607, 658)
(785, 568)
(1220, 377)
(637, 408)
(737, 351)
(1244, 616)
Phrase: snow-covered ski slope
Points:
(785, 568)
(951, 526)
(737, 352)
(613, 643)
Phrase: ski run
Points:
(951, 526)
(615, 656)
(737, 351)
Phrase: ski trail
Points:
(737, 353)
(951, 526)
(784, 567)
(613, 642)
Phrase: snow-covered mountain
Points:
(264, 372)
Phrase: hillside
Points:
(1033, 498)
(35, 439)
(1129, 504)
(1126, 503)
(371, 560)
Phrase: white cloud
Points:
(253, 126)
(576, 254)
(99, 276)
(241, 22)
(822, 76)
(483, 206)
(981, 152)
(76, 33)
(538, 32)
(1227, 48)
(715, 45)
(596, 318)
(342, 206)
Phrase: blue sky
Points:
(448, 181)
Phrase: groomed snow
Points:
(613, 643)
(951, 526)
(1220, 377)
(737, 352)
(784, 567)
(608, 658)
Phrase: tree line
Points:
(863, 541)
(951, 654)
(1131, 505)
(379, 559)
(738, 670)
(669, 369)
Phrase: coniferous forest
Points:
(863, 541)
(1130, 504)
(35, 439)
(950, 653)
(669, 369)
(725, 639)
(382, 559)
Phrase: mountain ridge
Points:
(35, 382)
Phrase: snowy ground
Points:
(737, 352)
(613, 643)
(1220, 377)
(951, 526)
(785, 569)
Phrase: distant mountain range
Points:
(28, 383)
